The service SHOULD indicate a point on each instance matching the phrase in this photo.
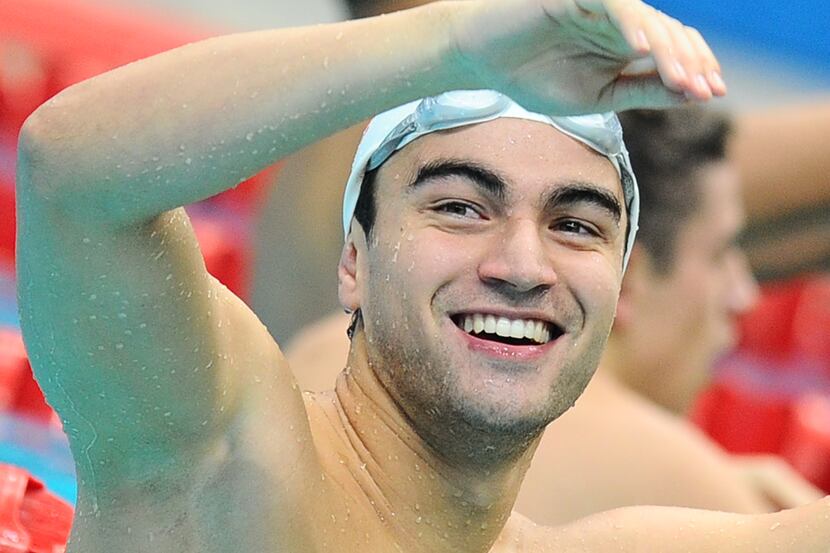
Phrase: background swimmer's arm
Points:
(782, 157)
(777, 481)
(677, 530)
(187, 124)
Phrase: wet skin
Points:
(188, 430)
(454, 246)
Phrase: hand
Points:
(777, 481)
(580, 56)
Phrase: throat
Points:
(438, 506)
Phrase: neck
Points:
(614, 361)
(633, 375)
(436, 505)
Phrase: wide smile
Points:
(507, 336)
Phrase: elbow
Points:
(38, 156)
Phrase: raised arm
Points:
(173, 394)
(782, 155)
(187, 124)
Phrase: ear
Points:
(348, 290)
(634, 284)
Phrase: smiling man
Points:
(509, 253)
(188, 430)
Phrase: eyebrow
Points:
(487, 180)
(493, 184)
(584, 193)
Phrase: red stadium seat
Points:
(767, 330)
(24, 83)
(807, 443)
(19, 391)
(32, 520)
(811, 321)
(247, 198)
(7, 225)
(744, 418)
(225, 246)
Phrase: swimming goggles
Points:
(391, 130)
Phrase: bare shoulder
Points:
(669, 449)
(181, 410)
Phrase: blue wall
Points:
(798, 29)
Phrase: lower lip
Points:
(504, 351)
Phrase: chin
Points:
(523, 402)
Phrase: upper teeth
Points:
(537, 331)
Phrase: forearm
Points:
(187, 124)
(783, 159)
(671, 529)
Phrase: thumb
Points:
(641, 91)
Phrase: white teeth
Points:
(490, 324)
(539, 333)
(478, 323)
(530, 329)
(502, 326)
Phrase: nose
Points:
(518, 259)
(743, 293)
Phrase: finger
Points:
(641, 67)
(627, 16)
(710, 67)
(687, 55)
(633, 92)
(662, 50)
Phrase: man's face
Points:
(687, 317)
(509, 220)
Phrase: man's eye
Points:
(574, 227)
(458, 208)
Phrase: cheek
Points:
(596, 285)
(431, 259)
(409, 268)
(698, 301)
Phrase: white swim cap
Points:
(392, 130)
